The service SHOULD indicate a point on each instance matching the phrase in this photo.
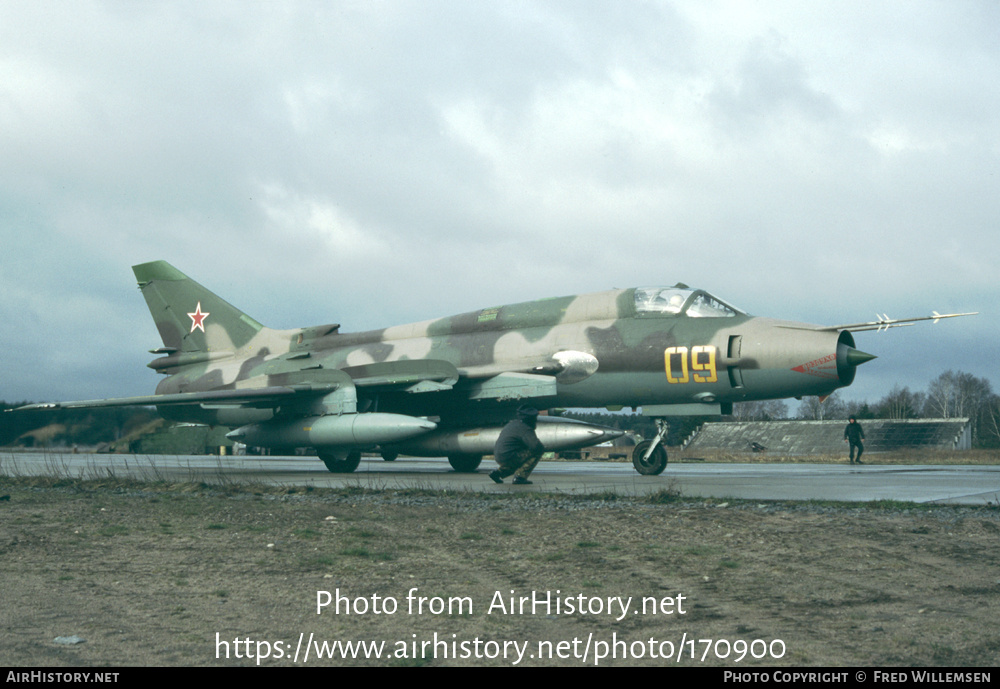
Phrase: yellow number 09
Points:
(702, 363)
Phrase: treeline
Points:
(953, 394)
(68, 427)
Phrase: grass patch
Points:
(361, 533)
(665, 496)
(356, 552)
(178, 494)
(701, 550)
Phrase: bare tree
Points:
(819, 409)
(990, 429)
(763, 410)
(958, 394)
(901, 403)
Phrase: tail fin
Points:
(188, 316)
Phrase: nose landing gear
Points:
(650, 456)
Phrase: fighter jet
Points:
(447, 386)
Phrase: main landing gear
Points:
(341, 463)
(465, 464)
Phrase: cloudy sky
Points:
(374, 163)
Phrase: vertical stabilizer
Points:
(189, 317)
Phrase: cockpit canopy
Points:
(682, 300)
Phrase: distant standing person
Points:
(855, 435)
(518, 449)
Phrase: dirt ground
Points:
(193, 576)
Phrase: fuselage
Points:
(622, 348)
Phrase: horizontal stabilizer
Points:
(247, 397)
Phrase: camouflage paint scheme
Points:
(671, 351)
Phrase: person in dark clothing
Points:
(518, 449)
(854, 435)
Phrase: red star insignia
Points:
(198, 319)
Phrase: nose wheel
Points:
(650, 456)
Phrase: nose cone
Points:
(849, 358)
(604, 435)
(557, 433)
(855, 357)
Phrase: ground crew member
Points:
(854, 435)
(518, 449)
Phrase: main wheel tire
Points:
(389, 455)
(342, 465)
(656, 463)
(465, 464)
